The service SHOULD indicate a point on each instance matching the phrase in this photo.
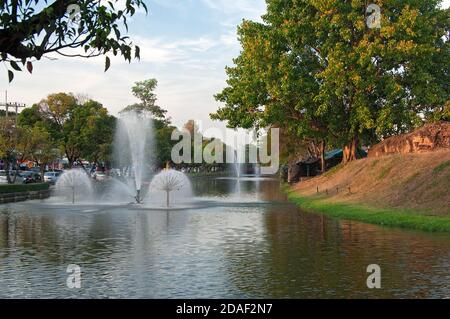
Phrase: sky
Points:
(185, 45)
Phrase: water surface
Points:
(251, 243)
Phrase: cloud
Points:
(187, 59)
(250, 8)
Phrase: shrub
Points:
(19, 188)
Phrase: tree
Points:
(81, 131)
(96, 131)
(43, 149)
(264, 88)
(14, 145)
(30, 30)
(144, 91)
(56, 113)
(315, 68)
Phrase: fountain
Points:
(170, 182)
(133, 145)
(75, 185)
(134, 137)
(237, 164)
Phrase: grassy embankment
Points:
(407, 191)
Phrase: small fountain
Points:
(75, 185)
(170, 182)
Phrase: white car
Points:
(51, 177)
(100, 176)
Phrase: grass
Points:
(438, 169)
(19, 188)
(386, 217)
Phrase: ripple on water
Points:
(256, 247)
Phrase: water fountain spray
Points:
(169, 181)
(133, 134)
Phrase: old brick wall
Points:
(428, 138)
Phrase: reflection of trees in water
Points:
(57, 239)
(262, 189)
(310, 256)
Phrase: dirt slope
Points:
(420, 181)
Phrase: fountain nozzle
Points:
(138, 197)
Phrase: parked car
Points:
(51, 177)
(100, 176)
(30, 177)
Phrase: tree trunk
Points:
(349, 151)
(322, 156)
(42, 170)
(8, 167)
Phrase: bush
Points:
(19, 188)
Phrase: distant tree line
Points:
(80, 129)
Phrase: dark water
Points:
(251, 244)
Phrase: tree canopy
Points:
(318, 69)
(145, 92)
(80, 131)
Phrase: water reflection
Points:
(234, 251)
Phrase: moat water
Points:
(248, 242)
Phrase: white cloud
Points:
(252, 9)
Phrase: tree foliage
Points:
(33, 29)
(317, 70)
(145, 92)
(80, 131)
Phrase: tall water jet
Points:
(134, 136)
(237, 164)
(74, 185)
(171, 182)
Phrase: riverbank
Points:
(407, 191)
(401, 218)
(22, 192)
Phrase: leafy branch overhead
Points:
(30, 31)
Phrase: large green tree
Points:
(30, 29)
(80, 131)
(316, 68)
